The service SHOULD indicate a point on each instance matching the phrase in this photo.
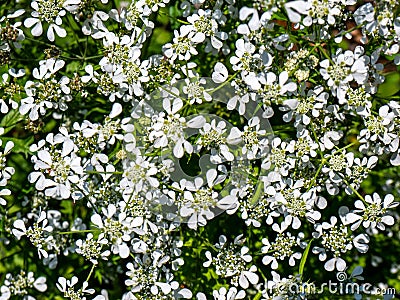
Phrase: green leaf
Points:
(20, 145)
(304, 258)
(159, 38)
(10, 120)
(163, 16)
(279, 16)
(391, 85)
(96, 109)
(98, 275)
(73, 67)
(257, 193)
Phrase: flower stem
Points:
(91, 272)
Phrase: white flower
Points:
(338, 165)
(245, 57)
(139, 174)
(378, 128)
(149, 7)
(336, 240)
(213, 136)
(91, 249)
(37, 234)
(7, 84)
(46, 91)
(306, 106)
(205, 25)
(123, 63)
(49, 11)
(195, 92)
(320, 12)
(297, 205)
(281, 248)
(14, 35)
(182, 47)
(144, 277)
(19, 285)
(253, 137)
(270, 91)
(278, 158)
(67, 287)
(231, 262)
(199, 202)
(95, 26)
(117, 230)
(346, 67)
(304, 147)
(378, 19)
(239, 102)
(129, 16)
(5, 172)
(372, 214)
(170, 129)
(64, 173)
(231, 294)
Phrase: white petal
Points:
(220, 73)
(340, 264)
(37, 30)
(50, 33)
(61, 32)
(295, 9)
(252, 277)
(243, 281)
(96, 220)
(165, 287)
(19, 224)
(388, 220)
(196, 122)
(178, 150)
(330, 264)
(123, 250)
(116, 110)
(29, 22)
(40, 284)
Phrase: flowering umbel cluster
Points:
(225, 149)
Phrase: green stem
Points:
(223, 84)
(341, 149)
(70, 21)
(325, 54)
(323, 161)
(140, 34)
(317, 139)
(354, 191)
(351, 30)
(173, 18)
(91, 272)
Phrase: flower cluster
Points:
(193, 149)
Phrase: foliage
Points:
(221, 149)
